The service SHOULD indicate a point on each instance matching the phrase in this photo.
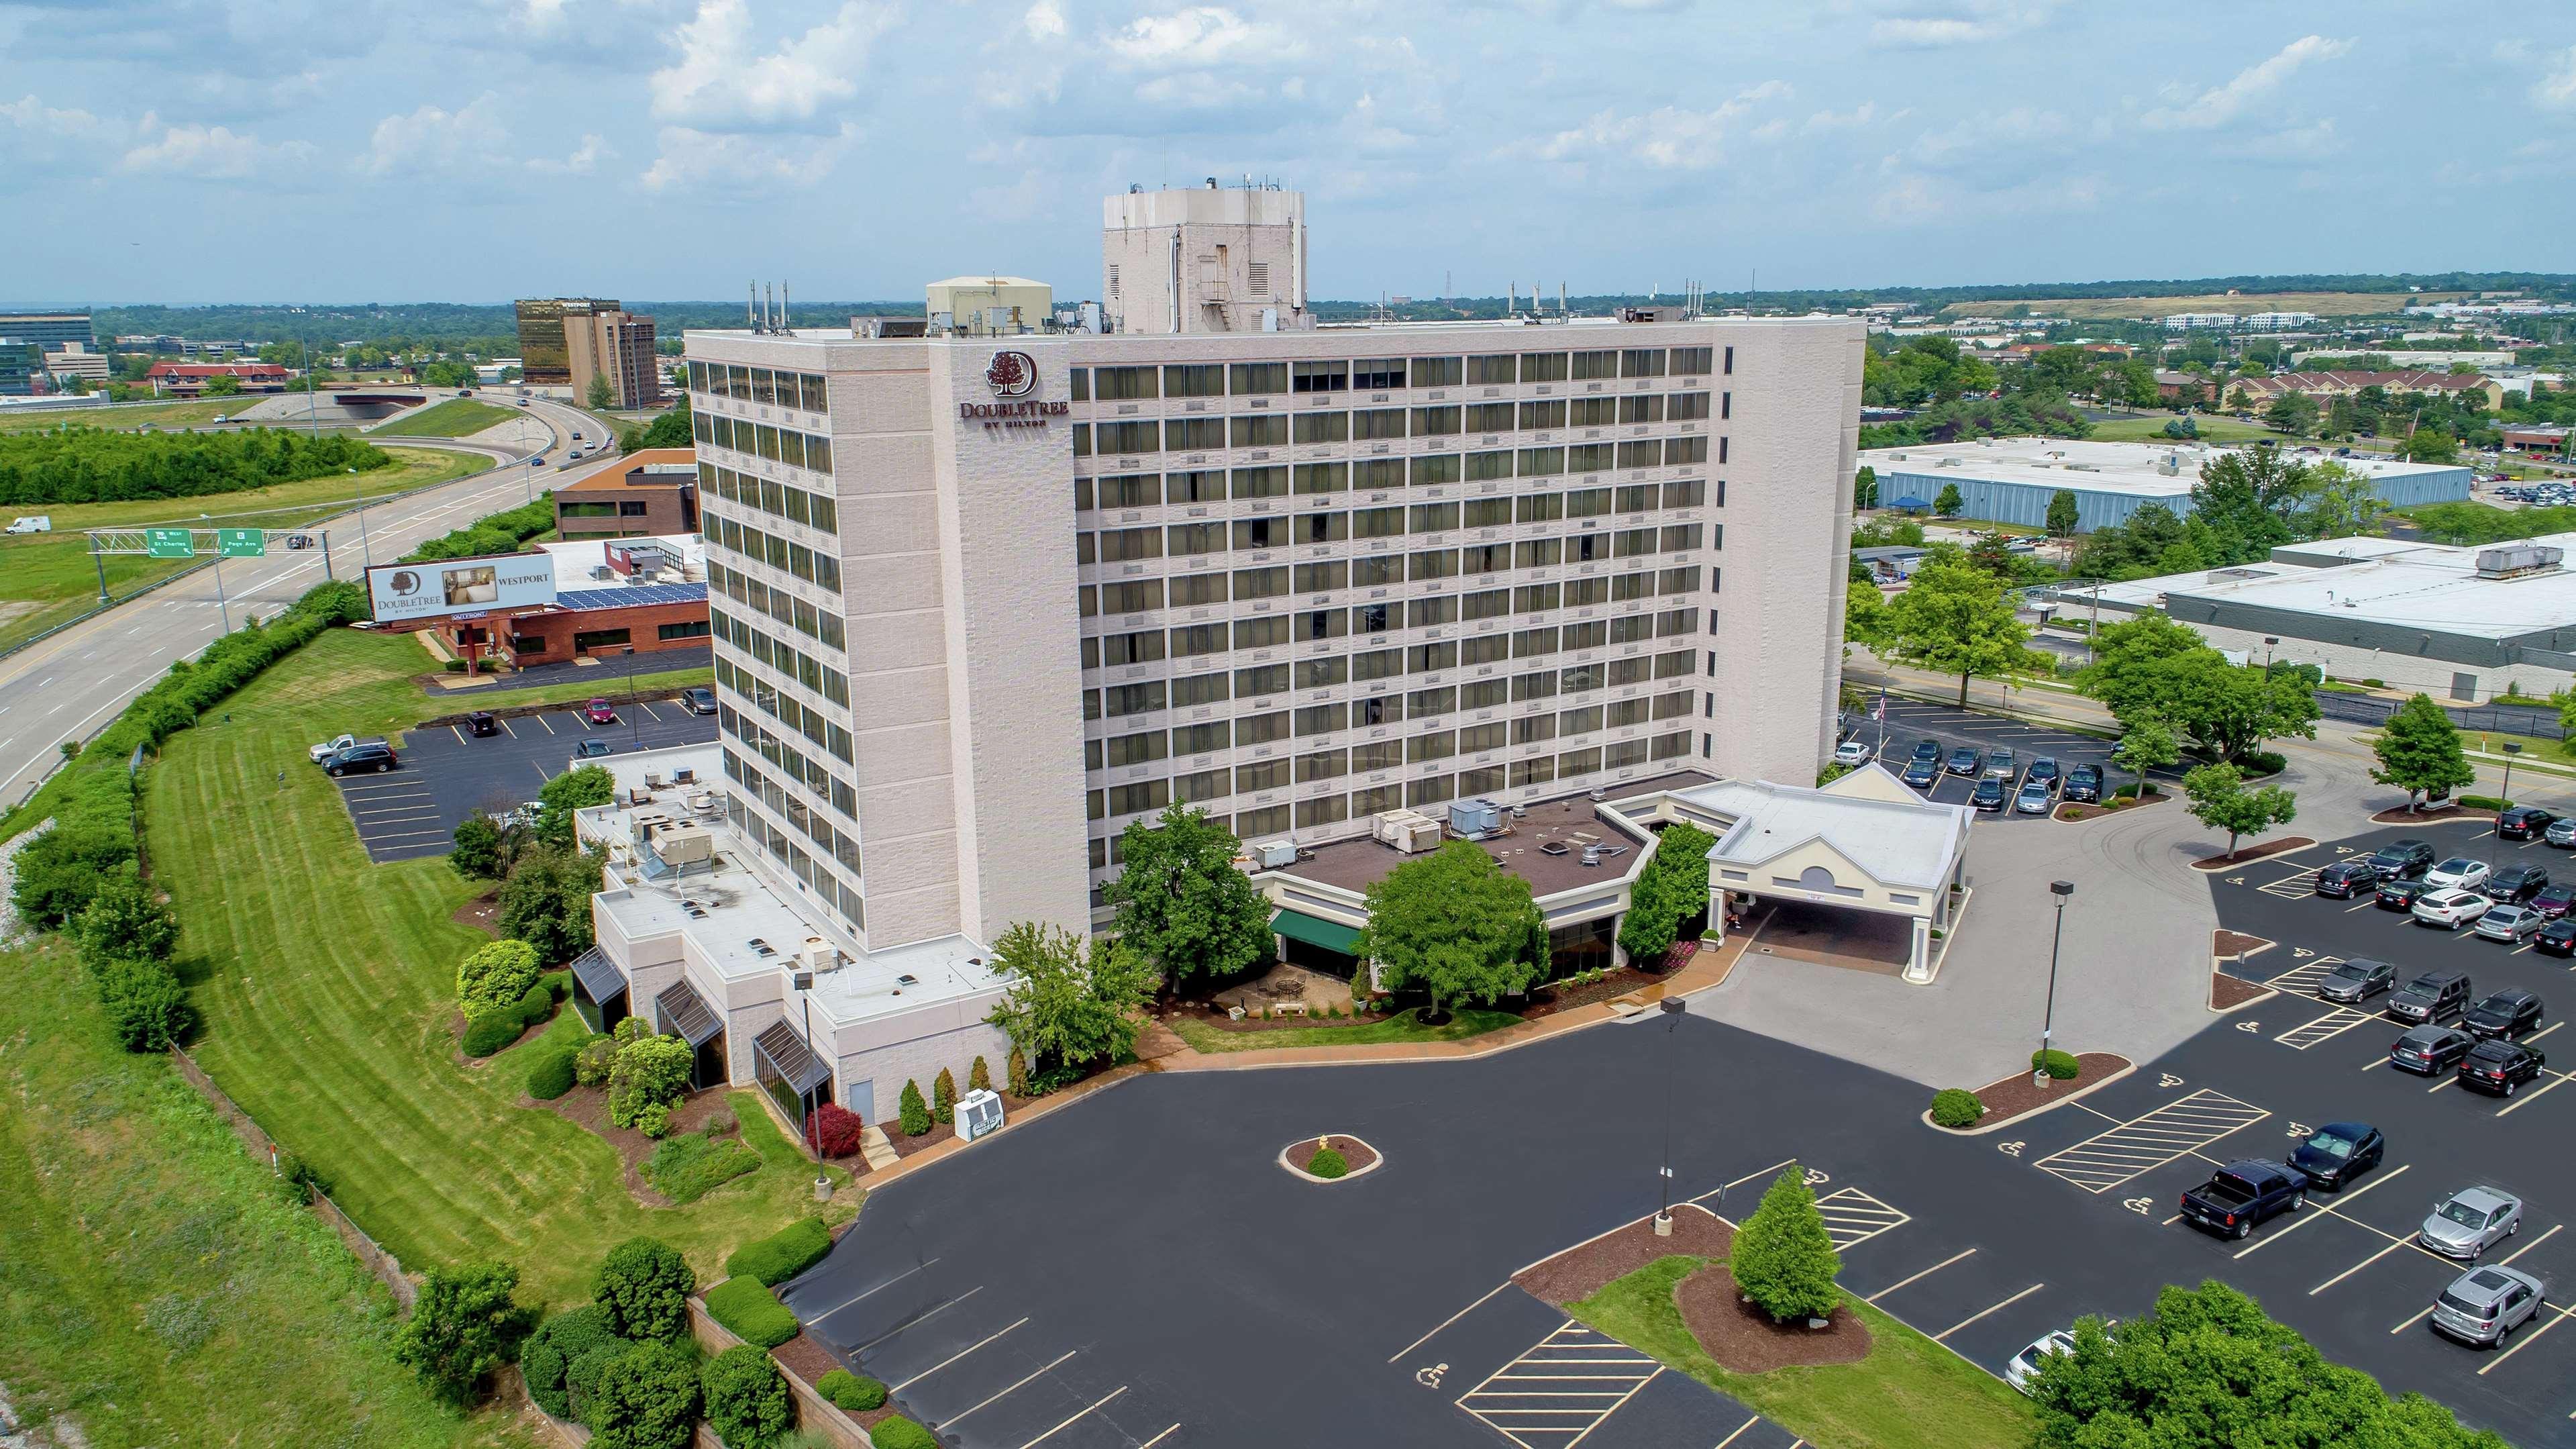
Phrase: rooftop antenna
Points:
(751, 306)
(1561, 314)
(782, 308)
(1511, 297)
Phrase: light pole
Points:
(358, 493)
(634, 740)
(2510, 750)
(2048, 1020)
(2268, 641)
(1672, 1007)
(804, 982)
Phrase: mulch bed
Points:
(1357, 1155)
(2015, 1095)
(1744, 1340)
(939, 1132)
(1580, 1272)
(2227, 991)
(483, 913)
(2400, 815)
(2254, 852)
(587, 1108)
(1550, 1000)
(810, 1360)
(2235, 943)
(1252, 1024)
(2072, 810)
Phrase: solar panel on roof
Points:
(632, 594)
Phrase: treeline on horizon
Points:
(95, 465)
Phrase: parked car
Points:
(1923, 774)
(1990, 794)
(367, 758)
(1928, 749)
(2084, 784)
(2449, 909)
(2512, 925)
(2242, 1194)
(698, 701)
(2337, 1153)
(2033, 798)
(2403, 859)
(2044, 770)
(2483, 1305)
(2430, 1049)
(325, 752)
(2558, 938)
(2516, 883)
(2357, 980)
(2000, 764)
(482, 722)
(2459, 872)
(2470, 1221)
(2435, 996)
(2523, 822)
(2400, 895)
(2019, 1370)
(1851, 752)
(2561, 831)
(1963, 760)
(2554, 900)
(2347, 878)
(599, 712)
(32, 523)
(591, 750)
(2498, 1067)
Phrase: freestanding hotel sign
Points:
(1013, 376)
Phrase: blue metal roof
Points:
(625, 594)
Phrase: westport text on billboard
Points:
(401, 593)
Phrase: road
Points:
(67, 686)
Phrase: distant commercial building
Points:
(577, 599)
(647, 493)
(22, 367)
(2536, 438)
(77, 359)
(2012, 480)
(2324, 387)
(188, 379)
(48, 329)
(2239, 321)
(1204, 259)
(2452, 622)
(990, 304)
(567, 341)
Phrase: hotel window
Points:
(1538, 553)
(1541, 462)
(1141, 648)
(1377, 374)
(1322, 719)
(1646, 454)
(1080, 389)
(1435, 422)
(1371, 475)
(1641, 362)
(1319, 376)
(1119, 545)
(1488, 512)
(1119, 699)
(1489, 417)
(1485, 604)
(1375, 663)
(1082, 440)
(1533, 729)
(1252, 379)
(1423, 613)
(1196, 639)
(1322, 673)
(1538, 507)
(1204, 486)
(1323, 427)
(1673, 665)
(1636, 541)
(1686, 493)
(1438, 745)
(1436, 372)
(1679, 451)
(1730, 362)
(1261, 482)
(1594, 412)
(1328, 810)
(1135, 437)
(1375, 423)
(1138, 749)
(1439, 563)
(1431, 703)
(1267, 775)
(1260, 680)
(1267, 583)
(1369, 573)
(1201, 739)
(1680, 536)
(1646, 409)
(1190, 589)
(1587, 503)
(1370, 802)
(1205, 785)
(1130, 490)
(1193, 435)
(1261, 729)
(1189, 539)
(1691, 361)
(1542, 367)
(1536, 598)
(1683, 580)
(1252, 824)
(1267, 633)
(1578, 762)
(1579, 678)
(1677, 621)
(1591, 366)
(1634, 498)
(1629, 628)
(1528, 643)
(1543, 414)
(1194, 379)
(1124, 384)
(1484, 558)
(1434, 517)
(1260, 432)
(1439, 468)
(1371, 619)
(1431, 658)
(1142, 796)
(1485, 467)
(1384, 709)
(1476, 739)
(1323, 477)
(1322, 527)
(1587, 458)
(1491, 371)
(1683, 407)
(1260, 533)
(1623, 754)
(1484, 649)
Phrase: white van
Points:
(37, 523)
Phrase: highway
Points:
(69, 685)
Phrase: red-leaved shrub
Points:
(834, 1130)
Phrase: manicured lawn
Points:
(155, 1283)
(127, 415)
(2152, 429)
(328, 1000)
(1910, 1393)
(1403, 1026)
(46, 578)
(458, 417)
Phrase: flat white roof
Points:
(2139, 469)
(1900, 842)
(2434, 587)
(575, 558)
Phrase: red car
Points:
(599, 712)
(2556, 900)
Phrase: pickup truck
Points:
(323, 752)
(2242, 1194)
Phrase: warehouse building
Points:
(2012, 480)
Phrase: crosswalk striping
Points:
(2307, 976)
(2105, 1160)
(2325, 1028)
(1561, 1389)
(2292, 887)
(1853, 1217)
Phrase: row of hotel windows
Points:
(1188, 590)
(821, 625)
(839, 894)
(814, 566)
(1274, 820)
(1147, 746)
(814, 510)
(1193, 540)
(791, 664)
(1277, 430)
(1134, 439)
(1383, 374)
(779, 445)
(781, 751)
(1216, 485)
(778, 388)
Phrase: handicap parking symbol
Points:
(2009, 1149)
(2142, 1206)
(1429, 1378)
(2168, 1079)
(2249, 1026)
(2298, 1129)
(1817, 1177)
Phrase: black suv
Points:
(2430, 1049)
(2523, 822)
(2505, 1014)
(2084, 784)
(364, 759)
(2356, 981)
(2515, 884)
(2432, 997)
(2500, 1066)
(2347, 878)
(2398, 893)
(2403, 859)
(2338, 1152)
(481, 722)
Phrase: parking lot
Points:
(447, 774)
(1909, 721)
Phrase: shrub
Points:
(551, 1075)
(688, 1167)
(2375, 683)
(495, 975)
(146, 1007)
(465, 1324)
(746, 1398)
(720, 1123)
(593, 1059)
(485, 1035)
(648, 1398)
(1015, 1071)
(833, 1130)
(477, 853)
(755, 1315)
(898, 1432)
(644, 1284)
(548, 1354)
(1782, 1258)
(1955, 1107)
(783, 1254)
(979, 1078)
(2059, 1065)
(583, 1372)
(58, 873)
(2265, 762)
(915, 1115)
(943, 1097)
(647, 1080)
(2481, 802)
(125, 920)
(851, 1393)
(1327, 1162)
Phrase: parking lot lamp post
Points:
(634, 740)
(1672, 1007)
(2268, 641)
(2048, 1019)
(2510, 750)
(804, 983)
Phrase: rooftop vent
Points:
(2512, 561)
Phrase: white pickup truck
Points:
(323, 752)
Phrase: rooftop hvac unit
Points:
(1409, 831)
(602, 572)
(817, 954)
(1274, 854)
(644, 822)
(2518, 558)
(680, 846)
(1474, 819)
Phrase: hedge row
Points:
(96, 465)
(494, 1030)
(745, 1305)
(851, 1393)
(783, 1254)
(501, 532)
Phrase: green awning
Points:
(1315, 930)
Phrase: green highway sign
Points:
(241, 542)
(169, 543)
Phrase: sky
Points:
(193, 151)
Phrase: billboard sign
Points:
(403, 593)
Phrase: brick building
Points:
(654, 491)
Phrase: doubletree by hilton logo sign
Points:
(1012, 376)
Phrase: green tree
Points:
(1455, 925)
(2340, 502)
(145, 1006)
(1783, 1258)
(2419, 750)
(1950, 502)
(1652, 920)
(648, 1398)
(2062, 513)
(1181, 904)
(2220, 801)
(222, 384)
(546, 902)
(466, 1323)
(1069, 1000)
(2247, 498)
(57, 874)
(2147, 745)
(1954, 619)
(2229, 710)
(573, 790)
(648, 1079)
(2430, 444)
(943, 1096)
(1672, 889)
(667, 430)
(601, 394)
(125, 920)
(2293, 413)
(1992, 553)
(493, 975)
(1865, 487)
(1864, 614)
(644, 1284)
(910, 1111)
(2124, 655)
(746, 1398)
(477, 854)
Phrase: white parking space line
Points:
(405, 835)
(2325, 1028)
(2518, 1105)
(1772, 1171)
(2292, 887)
(2525, 1341)
(1159, 1438)
(1926, 1273)
(951, 1420)
(2392, 1247)
(505, 729)
(952, 1358)
(2322, 1210)
(916, 1322)
(2306, 976)
(549, 724)
(2105, 1160)
(1452, 1318)
(1058, 1429)
(1853, 1217)
(881, 1287)
(1985, 1312)
(1607, 1374)
(1756, 1419)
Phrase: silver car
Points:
(2561, 831)
(2470, 1221)
(2484, 1304)
(2511, 924)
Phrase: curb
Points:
(2214, 865)
(2079, 1094)
(1377, 1159)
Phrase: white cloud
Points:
(1961, 24)
(1199, 37)
(432, 138)
(2557, 89)
(720, 81)
(207, 153)
(1044, 21)
(70, 123)
(1858, 116)
(2221, 104)
(584, 159)
(1665, 136)
(739, 163)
